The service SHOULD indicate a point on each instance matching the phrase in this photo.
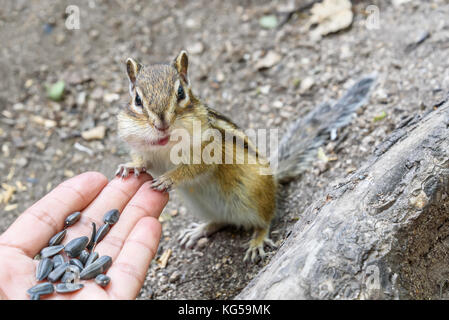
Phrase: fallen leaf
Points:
(68, 173)
(398, 3)
(321, 155)
(110, 97)
(45, 122)
(96, 133)
(11, 207)
(381, 116)
(20, 186)
(165, 216)
(11, 174)
(268, 22)
(330, 16)
(8, 193)
(163, 260)
(55, 91)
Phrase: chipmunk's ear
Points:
(132, 68)
(181, 64)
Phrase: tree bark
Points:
(383, 234)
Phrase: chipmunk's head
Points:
(158, 94)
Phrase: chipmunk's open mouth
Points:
(161, 142)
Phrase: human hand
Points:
(132, 242)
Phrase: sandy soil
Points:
(225, 41)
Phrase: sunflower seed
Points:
(58, 260)
(51, 251)
(102, 280)
(68, 287)
(101, 265)
(84, 256)
(111, 217)
(58, 272)
(35, 297)
(76, 246)
(72, 219)
(92, 257)
(77, 263)
(44, 268)
(57, 238)
(104, 229)
(91, 243)
(41, 289)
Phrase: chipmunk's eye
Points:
(138, 101)
(181, 93)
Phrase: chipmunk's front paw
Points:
(123, 170)
(163, 184)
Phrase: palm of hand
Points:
(132, 242)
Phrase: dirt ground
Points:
(40, 139)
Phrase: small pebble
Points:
(111, 217)
(57, 238)
(72, 219)
(175, 276)
(68, 287)
(202, 243)
(102, 280)
(48, 252)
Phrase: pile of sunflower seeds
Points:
(75, 261)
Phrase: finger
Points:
(33, 229)
(114, 196)
(128, 271)
(146, 203)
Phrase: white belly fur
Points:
(204, 199)
(203, 196)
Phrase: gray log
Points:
(383, 234)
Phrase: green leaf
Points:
(56, 90)
(380, 116)
(269, 22)
(321, 155)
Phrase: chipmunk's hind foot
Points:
(190, 236)
(256, 245)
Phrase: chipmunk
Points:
(221, 193)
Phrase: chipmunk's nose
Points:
(161, 124)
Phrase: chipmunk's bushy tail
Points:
(298, 148)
